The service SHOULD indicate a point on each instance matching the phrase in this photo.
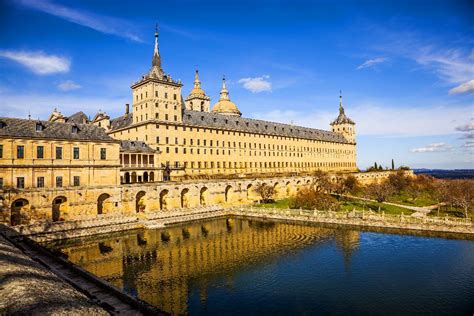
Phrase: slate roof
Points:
(121, 121)
(23, 128)
(342, 119)
(135, 146)
(220, 121)
(78, 118)
(215, 120)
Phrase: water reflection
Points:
(160, 266)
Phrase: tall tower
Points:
(344, 125)
(197, 99)
(156, 96)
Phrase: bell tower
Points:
(197, 99)
(344, 125)
(156, 96)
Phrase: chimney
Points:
(127, 108)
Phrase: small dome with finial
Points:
(225, 105)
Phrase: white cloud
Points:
(257, 84)
(436, 147)
(467, 87)
(468, 144)
(453, 65)
(68, 85)
(101, 23)
(39, 62)
(372, 119)
(371, 62)
(469, 127)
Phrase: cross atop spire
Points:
(156, 69)
(224, 91)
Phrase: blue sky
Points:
(406, 68)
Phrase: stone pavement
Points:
(28, 288)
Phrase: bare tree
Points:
(462, 194)
(265, 191)
(322, 182)
(379, 191)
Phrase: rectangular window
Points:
(40, 182)
(103, 153)
(1, 151)
(40, 152)
(75, 153)
(20, 152)
(59, 153)
(20, 182)
(77, 181)
(59, 182)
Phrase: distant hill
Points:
(447, 174)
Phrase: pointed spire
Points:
(341, 107)
(156, 71)
(197, 83)
(224, 91)
(156, 61)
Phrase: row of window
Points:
(157, 117)
(20, 182)
(20, 152)
(245, 165)
(260, 146)
(175, 96)
(250, 153)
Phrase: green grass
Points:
(403, 198)
(284, 203)
(349, 205)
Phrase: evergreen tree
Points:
(375, 166)
(393, 164)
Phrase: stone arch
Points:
(298, 185)
(102, 205)
(59, 208)
(152, 176)
(127, 177)
(250, 192)
(19, 212)
(145, 177)
(133, 178)
(289, 188)
(277, 188)
(140, 202)
(185, 198)
(204, 196)
(164, 199)
(228, 193)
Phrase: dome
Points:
(197, 91)
(225, 105)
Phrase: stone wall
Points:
(67, 204)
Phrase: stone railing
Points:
(46, 227)
(365, 218)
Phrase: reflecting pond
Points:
(241, 266)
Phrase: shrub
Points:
(310, 199)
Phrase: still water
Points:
(240, 266)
